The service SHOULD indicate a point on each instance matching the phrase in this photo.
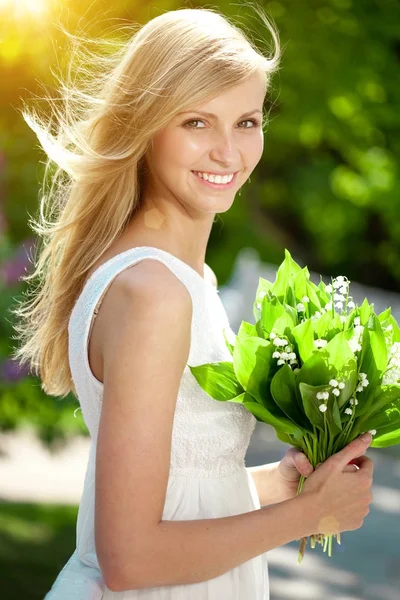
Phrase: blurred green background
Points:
(327, 188)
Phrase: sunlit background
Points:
(327, 188)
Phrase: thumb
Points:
(353, 450)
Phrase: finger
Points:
(303, 464)
(365, 464)
(355, 449)
(351, 468)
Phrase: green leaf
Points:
(384, 441)
(247, 330)
(283, 390)
(311, 406)
(382, 397)
(252, 361)
(378, 345)
(284, 437)
(327, 327)
(304, 337)
(337, 352)
(272, 309)
(308, 395)
(386, 421)
(314, 371)
(280, 424)
(217, 379)
(284, 325)
(227, 342)
(285, 273)
(349, 375)
(365, 312)
(383, 316)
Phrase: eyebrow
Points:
(212, 116)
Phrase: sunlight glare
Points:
(22, 8)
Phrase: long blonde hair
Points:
(95, 157)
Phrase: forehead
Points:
(238, 101)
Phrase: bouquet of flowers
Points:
(317, 367)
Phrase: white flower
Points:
(278, 342)
(333, 383)
(320, 343)
(343, 290)
(322, 395)
(348, 411)
(300, 307)
(328, 306)
(343, 319)
(392, 373)
(328, 289)
(323, 407)
(357, 321)
(339, 298)
(336, 392)
(281, 362)
(372, 431)
(389, 328)
(305, 299)
(272, 335)
(276, 355)
(342, 385)
(341, 279)
(351, 304)
(365, 383)
(353, 401)
(339, 305)
(292, 356)
(359, 388)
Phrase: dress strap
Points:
(87, 306)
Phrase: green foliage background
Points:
(327, 187)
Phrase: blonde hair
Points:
(95, 157)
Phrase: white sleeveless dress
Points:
(208, 477)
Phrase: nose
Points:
(224, 149)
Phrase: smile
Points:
(216, 181)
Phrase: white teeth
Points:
(215, 178)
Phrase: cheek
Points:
(178, 149)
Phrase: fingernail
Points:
(366, 437)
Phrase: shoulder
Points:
(145, 297)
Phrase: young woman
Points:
(169, 509)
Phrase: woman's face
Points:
(195, 146)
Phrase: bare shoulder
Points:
(141, 296)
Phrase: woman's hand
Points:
(293, 465)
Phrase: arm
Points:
(146, 350)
